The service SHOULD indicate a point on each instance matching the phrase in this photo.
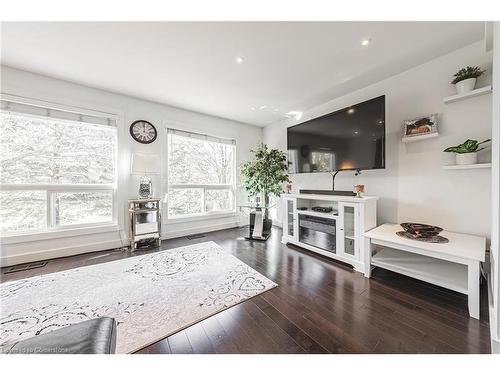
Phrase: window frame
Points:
(204, 214)
(52, 230)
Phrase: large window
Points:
(57, 169)
(201, 174)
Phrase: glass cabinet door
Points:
(349, 217)
(290, 221)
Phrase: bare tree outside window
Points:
(41, 162)
(200, 176)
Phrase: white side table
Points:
(453, 265)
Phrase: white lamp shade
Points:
(145, 164)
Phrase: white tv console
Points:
(341, 236)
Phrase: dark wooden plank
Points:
(221, 341)
(284, 342)
(297, 334)
(179, 343)
(160, 347)
(199, 340)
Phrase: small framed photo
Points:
(421, 126)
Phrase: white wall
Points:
(495, 184)
(21, 83)
(414, 186)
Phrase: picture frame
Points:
(420, 126)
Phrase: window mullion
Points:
(203, 210)
(51, 209)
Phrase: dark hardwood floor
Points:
(320, 306)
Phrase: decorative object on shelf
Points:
(145, 165)
(465, 78)
(421, 126)
(143, 131)
(435, 239)
(288, 188)
(264, 176)
(322, 209)
(422, 232)
(358, 189)
(466, 153)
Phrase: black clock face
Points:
(143, 131)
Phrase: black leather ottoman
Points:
(96, 336)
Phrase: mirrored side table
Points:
(145, 223)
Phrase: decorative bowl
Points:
(421, 230)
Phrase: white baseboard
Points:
(11, 260)
(60, 252)
(199, 229)
(495, 347)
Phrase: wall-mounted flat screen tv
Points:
(352, 138)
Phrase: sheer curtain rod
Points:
(189, 134)
(9, 98)
(110, 122)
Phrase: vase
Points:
(145, 188)
(465, 85)
(466, 159)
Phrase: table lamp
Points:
(145, 165)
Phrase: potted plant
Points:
(265, 175)
(466, 153)
(465, 78)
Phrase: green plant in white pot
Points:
(265, 174)
(466, 153)
(465, 79)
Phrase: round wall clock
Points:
(143, 131)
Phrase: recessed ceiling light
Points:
(239, 60)
(263, 106)
(356, 132)
(252, 108)
(365, 42)
(350, 111)
(296, 114)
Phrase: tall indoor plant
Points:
(265, 174)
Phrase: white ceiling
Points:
(288, 66)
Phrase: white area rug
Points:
(151, 296)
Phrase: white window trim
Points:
(204, 215)
(77, 229)
(21, 237)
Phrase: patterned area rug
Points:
(151, 296)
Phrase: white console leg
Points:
(473, 289)
(367, 256)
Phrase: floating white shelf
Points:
(417, 138)
(469, 166)
(477, 92)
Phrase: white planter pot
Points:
(449, 158)
(466, 159)
(466, 85)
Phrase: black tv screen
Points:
(352, 138)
